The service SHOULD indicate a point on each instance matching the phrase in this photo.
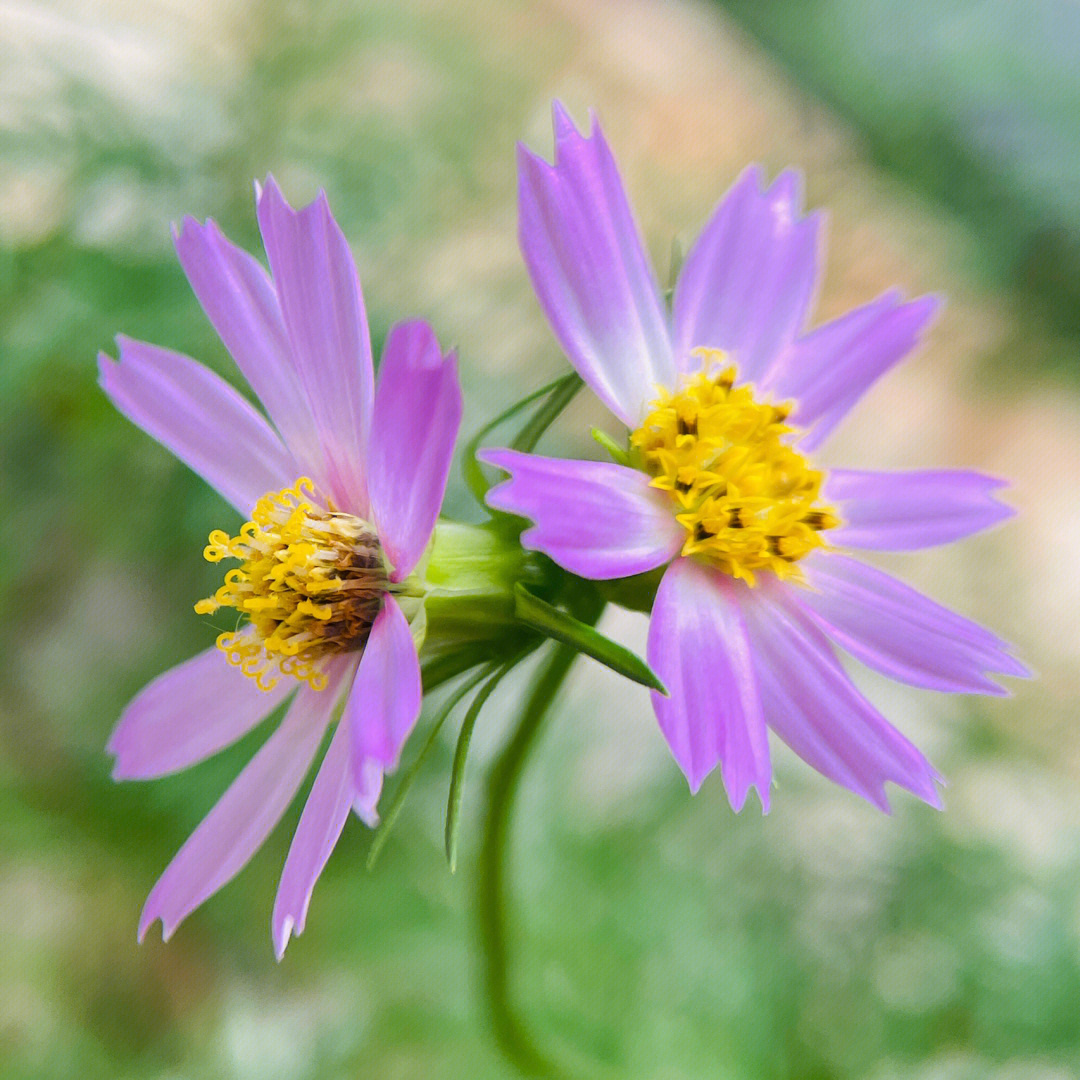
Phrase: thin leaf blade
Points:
(397, 801)
(561, 626)
(457, 773)
(556, 389)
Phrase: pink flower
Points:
(343, 485)
(725, 396)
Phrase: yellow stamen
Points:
(747, 499)
(310, 583)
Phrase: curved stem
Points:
(491, 896)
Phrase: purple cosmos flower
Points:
(725, 398)
(343, 487)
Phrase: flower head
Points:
(725, 398)
(342, 488)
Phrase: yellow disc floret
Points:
(310, 583)
(747, 499)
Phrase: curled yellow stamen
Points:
(310, 583)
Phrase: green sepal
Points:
(461, 754)
(397, 801)
(559, 625)
(558, 393)
(561, 395)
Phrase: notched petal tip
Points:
(189, 224)
(933, 799)
(105, 365)
(368, 814)
(148, 918)
(694, 782)
(738, 790)
(282, 932)
(933, 303)
(753, 175)
(271, 194)
(788, 188)
(262, 187)
(1016, 669)
(120, 770)
(498, 457)
(563, 123)
(527, 162)
(415, 343)
(694, 770)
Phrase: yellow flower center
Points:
(747, 499)
(310, 583)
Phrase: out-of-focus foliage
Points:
(660, 936)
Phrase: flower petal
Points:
(698, 647)
(814, 707)
(904, 511)
(239, 300)
(895, 629)
(368, 789)
(417, 416)
(319, 291)
(320, 825)
(828, 370)
(384, 703)
(245, 815)
(748, 281)
(594, 518)
(188, 713)
(200, 418)
(590, 271)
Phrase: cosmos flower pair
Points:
(712, 497)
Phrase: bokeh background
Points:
(656, 936)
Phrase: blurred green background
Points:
(657, 936)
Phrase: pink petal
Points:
(590, 271)
(903, 511)
(320, 826)
(895, 629)
(245, 815)
(323, 308)
(698, 647)
(748, 281)
(417, 416)
(385, 700)
(368, 789)
(827, 371)
(188, 713)
(594, 518)
(813, 706)
(239, 299)
(200, 418)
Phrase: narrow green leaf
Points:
(474, 474)
(390, 815)
(545, 416)
(617, 452)
(561, 626)
(461, 754)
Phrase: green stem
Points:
(492, 891)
